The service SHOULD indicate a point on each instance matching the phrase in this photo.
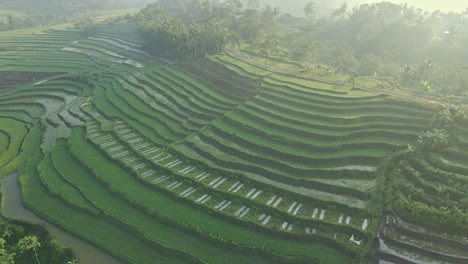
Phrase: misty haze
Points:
(233, 131)
(296, 7)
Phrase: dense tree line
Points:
(22, 243)
(193, 28)
(17, 22)
(168, 35)
(87, 26)
(399, 44)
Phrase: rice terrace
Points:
(156, 137)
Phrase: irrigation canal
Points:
(12, 208)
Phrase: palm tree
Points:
(7, 232)
(28, 243)
(310, 9)
(407, 74)
(352, 78)
(6, 257)
(425, 68)
(340, 12)
(410, 149)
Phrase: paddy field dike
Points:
(220, 160)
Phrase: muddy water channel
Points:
(12, 208)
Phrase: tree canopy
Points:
(169, 36)
(406, 47)
(22, 243)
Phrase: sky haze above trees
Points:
(296, 7)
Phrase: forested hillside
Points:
(16, 14)
(381, 45)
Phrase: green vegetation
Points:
(425, 185)
(419, 52)
(183, 216)
(14, 132)
(58, 186)
(97, 230)
(25, 243)
(228, 157)
(170, 37)
(20, 14)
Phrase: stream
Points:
(12, 208)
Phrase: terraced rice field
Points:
(433, 180)
(207, 161)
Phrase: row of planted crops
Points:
(430, 191)
(207, 161)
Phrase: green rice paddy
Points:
(208, 161)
